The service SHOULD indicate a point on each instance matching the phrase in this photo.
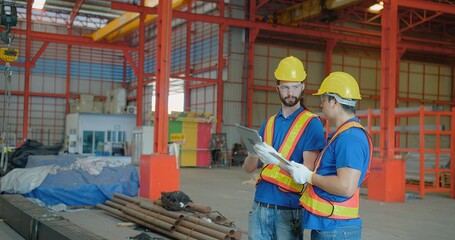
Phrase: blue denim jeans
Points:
(274, 224)
(341, 233)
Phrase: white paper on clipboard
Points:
(250, 137)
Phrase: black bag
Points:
(174, 201)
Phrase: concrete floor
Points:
(230, 191)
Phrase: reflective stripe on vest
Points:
(274, 174)
(335, 210)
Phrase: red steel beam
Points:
(423, 20)
(72, 16)
(196, 86)
(40, 51)
(305, 32)
(40, 94)
(426, 5)
(131, 62)
(339, 37)
(259, 4)
(73, 40)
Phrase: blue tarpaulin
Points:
(77, 187)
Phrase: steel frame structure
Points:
(423, 116)
(397, 17)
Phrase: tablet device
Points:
(281, 158)
(249, 137)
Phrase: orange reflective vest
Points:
(336, 210)
(274, 174)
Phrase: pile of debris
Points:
(178, 217)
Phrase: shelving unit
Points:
(425, 139)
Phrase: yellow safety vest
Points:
(335, 210)
(274, 174)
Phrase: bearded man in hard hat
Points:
(295, 133)
(331, 199)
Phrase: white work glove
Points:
(252, 154)
(263, 150)
(300, 173)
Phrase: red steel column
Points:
(163, 72)
(252, 34)
(387, 176)
(28, 50)
(389, 60)
(329, 56)
(140, 70)
(330, 45)
(452, 140)
(220, 85)
(160, 171)
(453, 80)
(187, 92)
(452, 152)
(68, 74)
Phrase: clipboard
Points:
(250, 137)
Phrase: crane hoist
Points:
(8, 18)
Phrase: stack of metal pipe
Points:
(177, 225)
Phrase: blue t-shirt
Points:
(312, 139)
(349, 149)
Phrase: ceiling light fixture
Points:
(376, 7)
(38, 4)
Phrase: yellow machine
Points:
(8, 54)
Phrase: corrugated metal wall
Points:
(93, 71)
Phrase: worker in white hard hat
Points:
(295, 133)
(331, 198)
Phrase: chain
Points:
(6, 107)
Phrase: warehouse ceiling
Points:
(338, 16)
(92, 14)
(430, 22)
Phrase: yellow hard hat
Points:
(290, 69)
(342, 84)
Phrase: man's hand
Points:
(300, 173)
(263, 150)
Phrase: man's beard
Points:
(286, 101)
